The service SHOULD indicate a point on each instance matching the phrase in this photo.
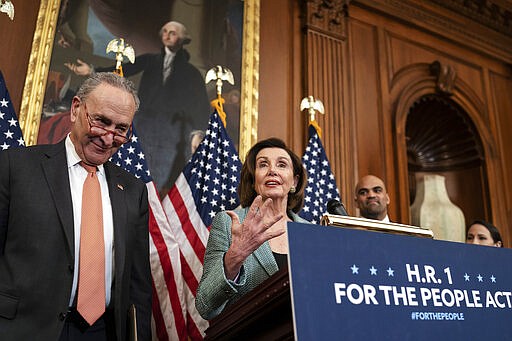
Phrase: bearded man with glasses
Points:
(69, 271)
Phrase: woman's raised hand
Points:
(249, 235)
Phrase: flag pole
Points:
(169, 307)
(121, 49)
(218, 74)
(8, 8)
(321, 187)
(313, 105)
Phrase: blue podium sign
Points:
(349, 284)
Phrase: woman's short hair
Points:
(493, 230)
(246, 190)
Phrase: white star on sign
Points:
(355, 269)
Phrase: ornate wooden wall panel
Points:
(280, 73)
(325, 79)
(370, 128)
(501, 90)
(406, 37)
(470, 23)
(472, 71)
(404, 51)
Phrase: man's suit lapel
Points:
(160, 62)
(55, 169)
(116, 188)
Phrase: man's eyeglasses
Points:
(97, 128)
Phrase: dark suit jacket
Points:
(37, 245)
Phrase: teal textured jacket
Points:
(215, 291)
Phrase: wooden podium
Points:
(266, 313)
(263, 314)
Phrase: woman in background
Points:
(248, 245)
(483, 233)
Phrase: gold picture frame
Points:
(41, 53)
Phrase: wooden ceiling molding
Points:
(481, 25)
(493, 14)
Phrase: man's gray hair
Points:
(109, 78)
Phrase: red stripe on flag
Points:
(167, 269)
(188, 275)
(161, 331)
(188, 228)
(193, 332)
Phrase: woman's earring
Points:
(292, 189)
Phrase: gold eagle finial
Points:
(7, 7)
(121, 49)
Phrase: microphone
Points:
(336, 207)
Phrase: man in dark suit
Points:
(174, 102)
(41, 226)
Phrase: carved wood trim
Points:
(416, 81)
(327, 16)
(440, 137)
(447, 22)
(446, 75)
(324, 79)
(37, 73)
(488, 13)
(325, 32)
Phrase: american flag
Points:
(10, 131)
(321, 183)
(207, 185)
(168, 301)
